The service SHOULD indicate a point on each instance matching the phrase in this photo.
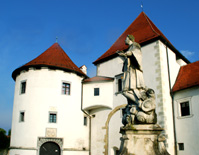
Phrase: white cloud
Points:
(187, 53)
(190, 55)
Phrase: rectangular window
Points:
(184, 107)
(96, 91)
(119, 85)
(21, 116)
(53, 118)
(85, 120)
(23, 87)
(66, 88)
(181, 146)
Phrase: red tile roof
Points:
(53, 57)
(144, 32)
(188, 76)
(98, 79)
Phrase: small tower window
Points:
(66, 88)
(23, 87)
(96, 91)
(21, 116)
(53, 118)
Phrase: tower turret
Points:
(47, 112)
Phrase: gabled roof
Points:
(54, 57)
(98, 79)
(188, 76)
(144, 32)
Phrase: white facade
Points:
(91, 101)
(160, 67)
(43, 96)
(187, 127)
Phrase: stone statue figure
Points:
(141, 100)
(140, 133)
(132, 68)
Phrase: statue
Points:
(141, 100)
(140, 133)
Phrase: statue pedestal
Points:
(141, 140)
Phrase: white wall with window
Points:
(155, 71)
(186, 119)
(48, 103)
(98, 94)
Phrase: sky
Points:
(85, 29)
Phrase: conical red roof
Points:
(144, 32)
(53, 57)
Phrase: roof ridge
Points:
(150, 23)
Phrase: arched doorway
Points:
(49, 148)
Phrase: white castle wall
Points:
(44, 95)
(187, 127)
(156, 77)
(110, 68)
(103, 100)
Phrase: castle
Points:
(59, 110)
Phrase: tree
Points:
(4, 139)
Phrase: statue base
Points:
(142, 140)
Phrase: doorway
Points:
(49, 148)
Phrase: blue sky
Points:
(85, 30)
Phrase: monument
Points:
(141, 135)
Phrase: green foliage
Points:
(4, 139)
(2, 131)
(9, 132)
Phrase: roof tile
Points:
(188, 76)
(143, 29)
(54, 57)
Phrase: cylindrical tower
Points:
(47, 116)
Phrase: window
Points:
(53, 118)
(66, 88)
(23, 87)
(119, 82)
(21, 116)
(184, 107)
(181, 146)
(85, 120)
(119, 85)
(96, 91)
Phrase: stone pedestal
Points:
(142, 140)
